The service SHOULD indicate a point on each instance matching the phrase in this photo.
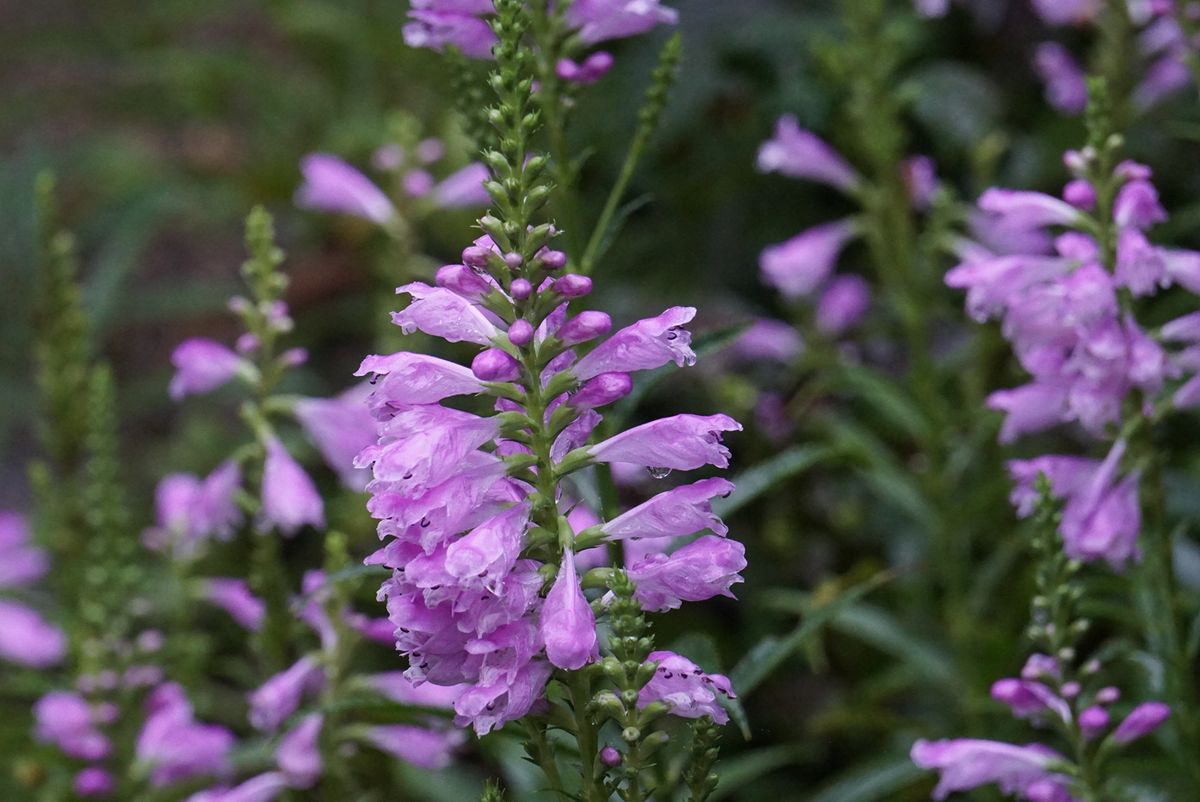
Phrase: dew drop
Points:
(658, 473)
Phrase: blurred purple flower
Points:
(332, 185)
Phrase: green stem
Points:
(586, 736)
(543, 755)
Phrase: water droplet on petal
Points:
(658, 473)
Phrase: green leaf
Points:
(737, 772)
(885, 632)
(875, 780)
(886, 398)
(771, 652)
(756, 481)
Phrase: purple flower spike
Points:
(681, 442)
(687, 691)
(702, 569)
(568, 624)
(332, 185)
(201, 366)
(799, 266)
(1143, 720)
(290, 500)
(672, 513)
(798, 153)
(645, 345)
(69, 722)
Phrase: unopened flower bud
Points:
(520, 333)
(1093, 721)
(1141, 721)
(1080, 194)
(573, 285)
(602, 390)
(610, 757)
(462, 280)
(1107, 695)
(585, 326)
(475, 256)
(513, 260)
(294, 357)
(493, 365)
(521, 289)
(553, 260)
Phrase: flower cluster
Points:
(462, 25)
(470, 503)
(1034, 771)
(1067, 309)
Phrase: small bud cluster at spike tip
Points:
(1068, 310)
(462, 25)
(486, 591)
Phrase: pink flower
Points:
(685, 689)
(28, 639)
(190, 511)
(1141, 721)
(332, 185)
(279, 696)
(799, 266)
(20, 563)
(966, 764)
(174, 746)
(340, 428)
(462, 188)
(234, 597)
(706, 567)
(599, 20)
(798, 153)
(423, 747)
(681, 442)
(202, 365)
(289, 498)
(69, 722)
(403, 379)
(645, 345)
(441, 313)
(438, 24)
(568, 626)
(680, 511)
(1066, 82)
(843, 304)
(298, 756)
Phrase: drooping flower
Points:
(462, 188)
(681, 511)
(600, 20)
(798, 153)
(298, 756)
(1066, 82)
(421, 746)
(800, 265)
(340, 428)
(234, 597)
(280, 695)
(174, 746)
(20, 562)
(687, 691)
(965, 764)
(191, 510)
(289, 498)
(842, 305)
(201, 366)
(568, 626)
(69, 722)
(332, 185)
(1141, 721)
(28, 639)
(704, 568)
(681, 442)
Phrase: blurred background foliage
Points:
(167, 121)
